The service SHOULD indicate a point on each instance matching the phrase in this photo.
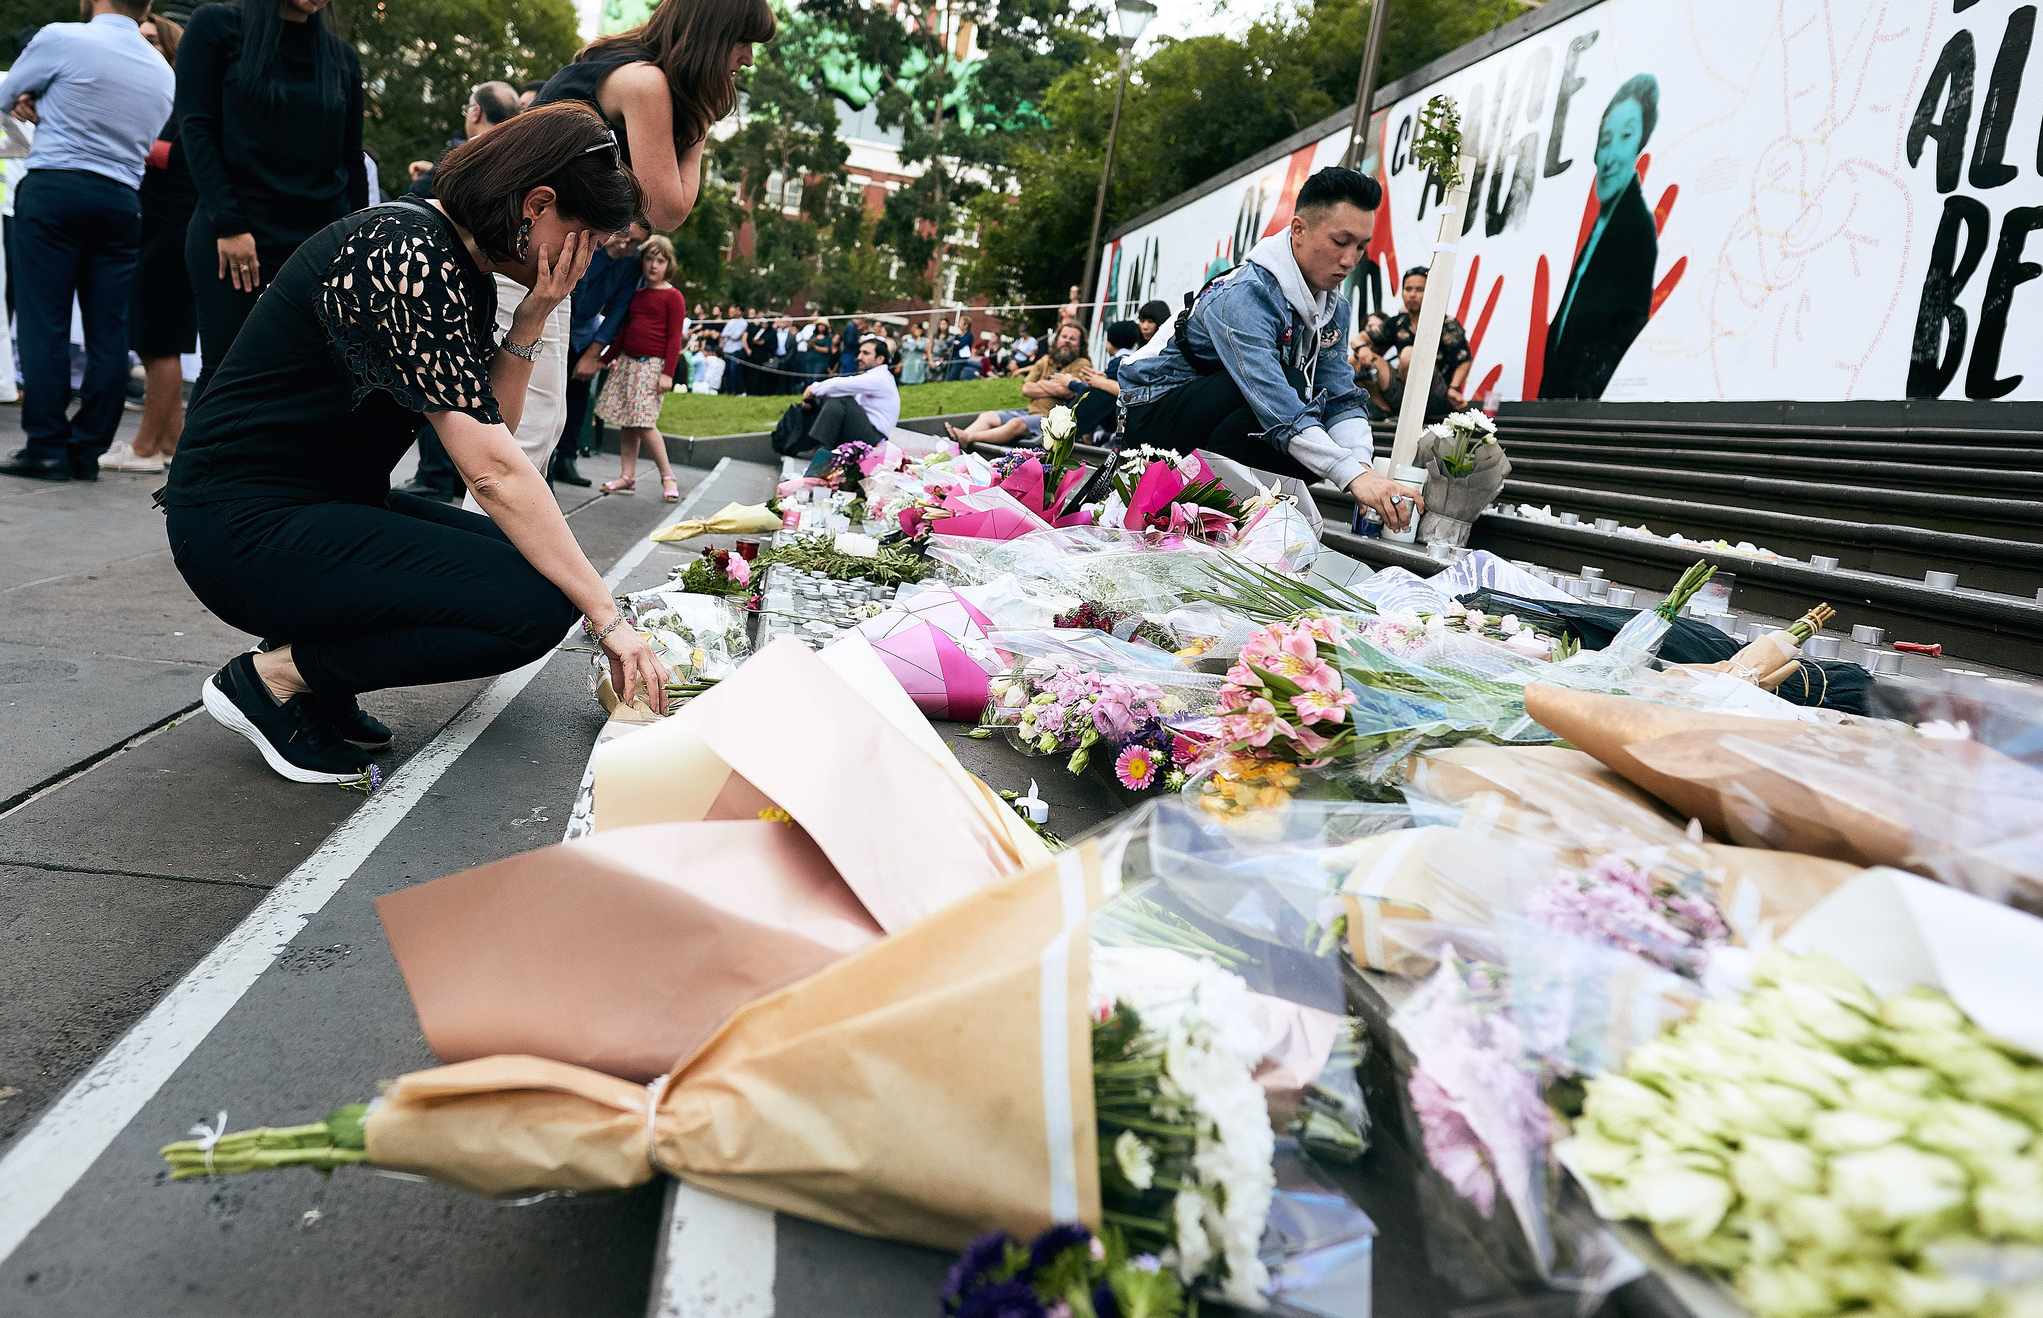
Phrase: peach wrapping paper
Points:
(935, 1084)
(1865, 794)
(908, 829)
(1563, 807)
(622, 951)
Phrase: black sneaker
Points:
(350, 722)
(291, 738)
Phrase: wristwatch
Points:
(530, 352)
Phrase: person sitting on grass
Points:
(642, 360)
(1056, 378)
(862, 405)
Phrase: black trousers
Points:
(1210, 413)
(578, 391)
(840, 421)
(76, 233)
(222, 308)
(368, 596)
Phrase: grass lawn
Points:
(705, 415)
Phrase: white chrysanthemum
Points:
(1212, 1046)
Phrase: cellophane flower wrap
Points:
(1465, 468)
(1225, 1068)
(1829, 1151)
(1319, 696)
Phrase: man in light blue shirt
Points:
(98, 94)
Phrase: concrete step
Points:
(2007, 518)
(2012, 472)
(1772, 434)
(2012, 566)
(1985, 626)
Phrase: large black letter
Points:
(1954, 70)
(1929, 375)
(1570, 84)
(1521, 157)
(2009, 272)
(1997, 111)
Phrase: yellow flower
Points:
(773, 814)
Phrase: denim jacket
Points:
(1256, 328)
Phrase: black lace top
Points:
(377, 320)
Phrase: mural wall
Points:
(1698, 200)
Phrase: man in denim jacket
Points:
(1258, 370)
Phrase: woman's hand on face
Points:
(555, 277)
(635, 670)
(239, 262)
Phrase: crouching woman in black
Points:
(281, 515)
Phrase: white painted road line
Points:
(717, 1258)
(50, 1157)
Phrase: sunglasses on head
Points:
(609, 143)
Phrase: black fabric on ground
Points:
(403, 594)
(1829, 684)
(1596, 625)
(1209, 413)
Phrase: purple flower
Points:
(1103, 1302)
(982, 1256)
(1007, 1299)
(1055, 1241)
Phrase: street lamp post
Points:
(1133, 16)
(1365, 83)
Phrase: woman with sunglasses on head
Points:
(281, 516)
(661, 85)
(269, 98)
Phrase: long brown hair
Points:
(168, 34)
(691, 42)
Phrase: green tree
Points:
(1194, 108)
(421, 57)
(16, 15)
(958, 118)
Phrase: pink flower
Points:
(1324, 629)
(738, 569)
(1234, 697)
(1292, 657)
(1110, 714)
(1309, 740)
(1136, 768)
(1452, 1145)
(1256, 724)
(1319, 676)
(1316, 705)
(1242, 675)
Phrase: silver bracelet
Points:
(615, 623)
(530, 352)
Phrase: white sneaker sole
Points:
(228, 715)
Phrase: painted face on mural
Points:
(1618, 144)
(1329, 243)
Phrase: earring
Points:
(525, 238)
